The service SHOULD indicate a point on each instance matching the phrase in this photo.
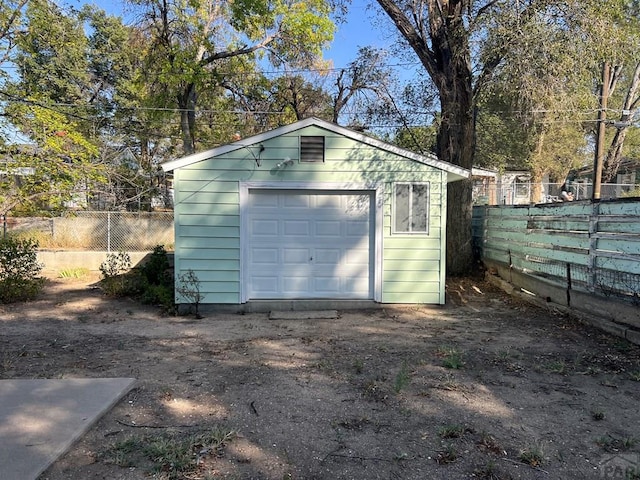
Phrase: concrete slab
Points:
(41, 419)
(303, 315)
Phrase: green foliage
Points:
(151, 284)
(78, 272)
(402, 379)
(448, 455)
(115, 264)
(451, 357)
(115, 282)
(19, 270)
(156, 268)
(174, 456)
(532, 456)
(452, 431)
(157, 295)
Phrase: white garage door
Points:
(310, 244)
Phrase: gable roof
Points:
(454, 172)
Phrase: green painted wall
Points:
(207, 212)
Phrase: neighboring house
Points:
(509, 188)
(312, 211)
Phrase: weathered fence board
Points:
(593, 246)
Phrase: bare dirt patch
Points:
(485, 387)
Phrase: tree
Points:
(10, 21)
(192, 41)
(626, 117)
(439, 32)
(510, 39)
(55, 169)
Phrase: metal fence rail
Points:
(105, 231)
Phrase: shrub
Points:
(189, 288)
(151, 283)
(115, 264)
(157, 295)
(156, 269)
(113, 270)
(19, 270)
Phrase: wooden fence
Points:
(585, 246)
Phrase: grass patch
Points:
(451, 431)
(175, 456)
(448, 455)
(78, 272)
(489, 472)
(451, 357)
(557, 366)
(488, 443)
(612, 444)
(532, 456)
(402, 378)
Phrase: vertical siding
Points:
(207, 212)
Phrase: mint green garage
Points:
(310, 213)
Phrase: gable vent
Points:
(312, 149)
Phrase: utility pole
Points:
(602, 117)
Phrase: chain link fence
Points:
(102, 231)
(526, 193)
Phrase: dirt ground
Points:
(485, 387)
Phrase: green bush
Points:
(156, 269)
(19, 270)
(151, 283)
(115, 264)
(157, 295)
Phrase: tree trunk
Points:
(456, 136)
(614, 154)
(187, 105)
(456, 145)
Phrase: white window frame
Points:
(411, 185)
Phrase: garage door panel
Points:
(296, 285)
(260, 227)
(327, 256)
(296, 256)
(265, 285)
(309, 245)
(327, 285)
(295, 201)
(357, 257)
(265, 256)
(297, 227)
(328, 228)
(358, 229)
(261, 200)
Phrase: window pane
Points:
(402, 208)
(420, 208)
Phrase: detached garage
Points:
(312, 212)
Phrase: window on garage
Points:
(411, 208)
